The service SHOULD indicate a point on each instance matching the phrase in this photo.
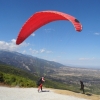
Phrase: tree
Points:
(1, 77)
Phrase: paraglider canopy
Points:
(41, 18)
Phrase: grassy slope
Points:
(49, 84)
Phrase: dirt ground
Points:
(70, 93)
(16, 93)
(80, 95)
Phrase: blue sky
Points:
(57, 41)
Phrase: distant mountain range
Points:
(27, 62)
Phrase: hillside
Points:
(28, 63)
(15, 77)
(57, 73)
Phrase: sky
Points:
(56, 41)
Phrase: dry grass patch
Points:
(79, 95)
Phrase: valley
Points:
(54, 71)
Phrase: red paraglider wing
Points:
(41, 18)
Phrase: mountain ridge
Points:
(70, 76)
(27, 62)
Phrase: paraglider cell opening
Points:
(77, 21)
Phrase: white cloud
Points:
(45, 51)
(33, 34)
(8, 45)
(86, 59)
(24, 44)
(83, 58)
(97, 33)
(24, 51)
(55, 60)
(12, 45)
(13, 41)
(49, 52)
(33, 51)
(49, 30)
(42, 50)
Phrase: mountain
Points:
(27, 62)
(54, 71)
(2, 62)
